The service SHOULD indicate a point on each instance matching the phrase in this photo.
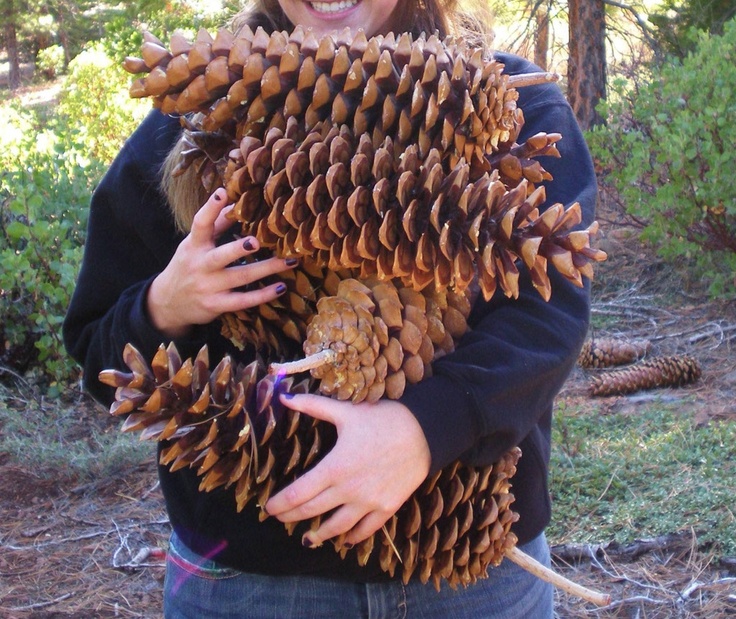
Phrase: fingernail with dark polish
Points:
(218, 197)
(306, 542)
(287, 395)
(291, 262)
(247, 244)
(281, 289)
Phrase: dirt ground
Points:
(98, 550)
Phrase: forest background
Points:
(653, 85)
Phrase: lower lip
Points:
(331, 15)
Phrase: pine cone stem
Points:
(534, 567)
(532, 79)
(304, 365)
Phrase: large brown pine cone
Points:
(229, 425)
(397, 157)
(428, 92)
(390, 161)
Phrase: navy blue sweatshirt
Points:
(494, 392)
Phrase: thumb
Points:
(317, 406)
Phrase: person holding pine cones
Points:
(258, 223)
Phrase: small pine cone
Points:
(370, 340)
(228, 425)
(606, 352)
(673, 371)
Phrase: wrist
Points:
(161, 313)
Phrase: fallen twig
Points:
(636, 599)
(574, 553)
(83, 536)
(61, 598)
(697, 585)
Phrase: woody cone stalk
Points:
(391, 168)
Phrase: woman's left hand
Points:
(379, 459)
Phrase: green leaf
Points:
(17, 230)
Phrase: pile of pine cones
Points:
(391, 168)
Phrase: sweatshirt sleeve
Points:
(130, 239)
(487, 395)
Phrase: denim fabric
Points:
(198, 588)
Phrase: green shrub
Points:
(668, 152)
(123, 30)
(44, 187)
(96, 103)
(48, 170)
(50, 61)
(677, 23)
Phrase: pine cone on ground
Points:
(672, 371)
(606, 352)
(229, 425)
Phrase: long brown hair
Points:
(185, 192)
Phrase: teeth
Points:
(333, 7)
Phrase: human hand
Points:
(381, 456)
(199, 282)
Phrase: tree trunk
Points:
(541, 38)
(11, 44)
(586, 70)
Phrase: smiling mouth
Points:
(328, 8)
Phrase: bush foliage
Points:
(668, 152)
(49, 167)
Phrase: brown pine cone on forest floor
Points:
(608, 351)
(670, 371)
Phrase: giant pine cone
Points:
(229, 425)
(398, 158)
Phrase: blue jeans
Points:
(198, 588)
